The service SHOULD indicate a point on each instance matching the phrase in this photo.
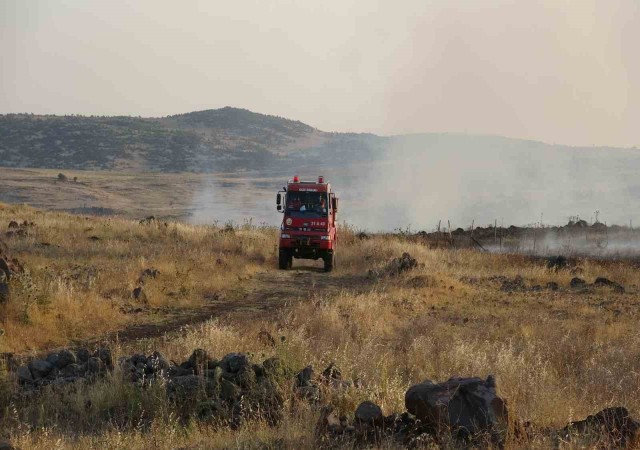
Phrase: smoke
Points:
(426, 178)
(422, 179)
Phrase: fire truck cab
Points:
(308, 229)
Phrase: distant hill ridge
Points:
(226, 139)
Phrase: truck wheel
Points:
(329, 262)
(285, 260)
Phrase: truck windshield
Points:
(307, 204)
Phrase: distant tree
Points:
(62, 177)
(75, 179)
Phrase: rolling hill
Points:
(204, 141)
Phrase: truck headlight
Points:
(285, 236)
(325, 238)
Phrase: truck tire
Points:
(285, 260)
(329, 262)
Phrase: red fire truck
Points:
(308, 229)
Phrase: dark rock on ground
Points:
(40, 368)
(402, 264)
(552, 286)
(577, 283)
(557, 262)
(235, 362)
(468, 407)
(139, 295)
(5, 290)
(24, 375)
(332, 372)
(66, 357)
(369, 413)
(601, 281)
(83, 355)
(198, 361)
(95, 366)
(305, 376)
(614, 426)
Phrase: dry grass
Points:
(76, 287)
(557, 355)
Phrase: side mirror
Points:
(334, 203)
(279, 201)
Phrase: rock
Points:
(24, 375)
(401, 264)
(577, 283)
(369, 413)
(4, 268)
(6, 445)
(198, 360)
(148, 273)
(229, 391)
(52, 359)
(5, 291)
(235, 362)
(185, 387)
(332, 372)
(613, 425)
(105, 356)
(83, 355)
(601, 281)
(274, 368)
(158, 363)
(40, 368)
(139, 295)
(70, 370)
(305, 376)
(557, 262)
(310, 392)
(66, 357)
(552, 286)
(467, 406)
(95, 365)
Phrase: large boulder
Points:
(469, 407)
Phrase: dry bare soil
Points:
(559, 353)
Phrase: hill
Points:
(204, 141)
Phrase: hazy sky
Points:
(554, 70)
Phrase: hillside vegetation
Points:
(560, 350)
(231, 139)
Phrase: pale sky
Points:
(559, 71)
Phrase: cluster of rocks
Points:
(395, 267)
(469, 412)
(65, 367)
(17, 228)
(464, 409)
(579, 283)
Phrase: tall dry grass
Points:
(557, 355)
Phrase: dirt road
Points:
(265, 294)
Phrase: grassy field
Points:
(558, 354)
(134, 195)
